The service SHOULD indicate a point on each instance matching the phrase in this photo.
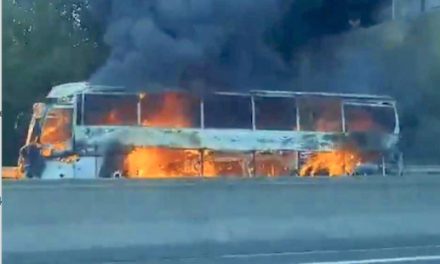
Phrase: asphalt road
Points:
(348, 252)
(399, 216)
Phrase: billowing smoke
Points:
(221, 44)
(394, 58)
(190, 43)
(400, 58)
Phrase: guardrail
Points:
(13, 173)
(429, 169)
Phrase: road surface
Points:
(422, 251)
(288, 220)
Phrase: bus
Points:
(90, 131)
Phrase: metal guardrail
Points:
(430, 169)
(12, 172)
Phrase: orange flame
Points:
(56, 131)
(172, 113)
(144, 162)
(70, 159)
(335, 163)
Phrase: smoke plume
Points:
(189, 43)
(399, 58)
(221, 44)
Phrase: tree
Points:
(44, 43)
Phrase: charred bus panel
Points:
(105, 132)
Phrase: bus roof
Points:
(70, 89)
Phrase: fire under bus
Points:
(86, 131)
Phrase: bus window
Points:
(362, 118)
(170, 110)
(57, 126)
(110, 109)
(320, 114)
(226, 111)
(275, 113)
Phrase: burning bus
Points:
(90, 131)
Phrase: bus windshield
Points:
(57, 128)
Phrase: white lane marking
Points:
(313, 252)
(383, 260)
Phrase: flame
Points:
(56, 131)
(172, 113)
(151, 162)
(70, 159)
(335, 163)
(143, 162)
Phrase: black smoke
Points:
(330, 45)
(193, 44)
(400, 58)
(217, 44)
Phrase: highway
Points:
(252, 253)
(287, 220)
(204, 254)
